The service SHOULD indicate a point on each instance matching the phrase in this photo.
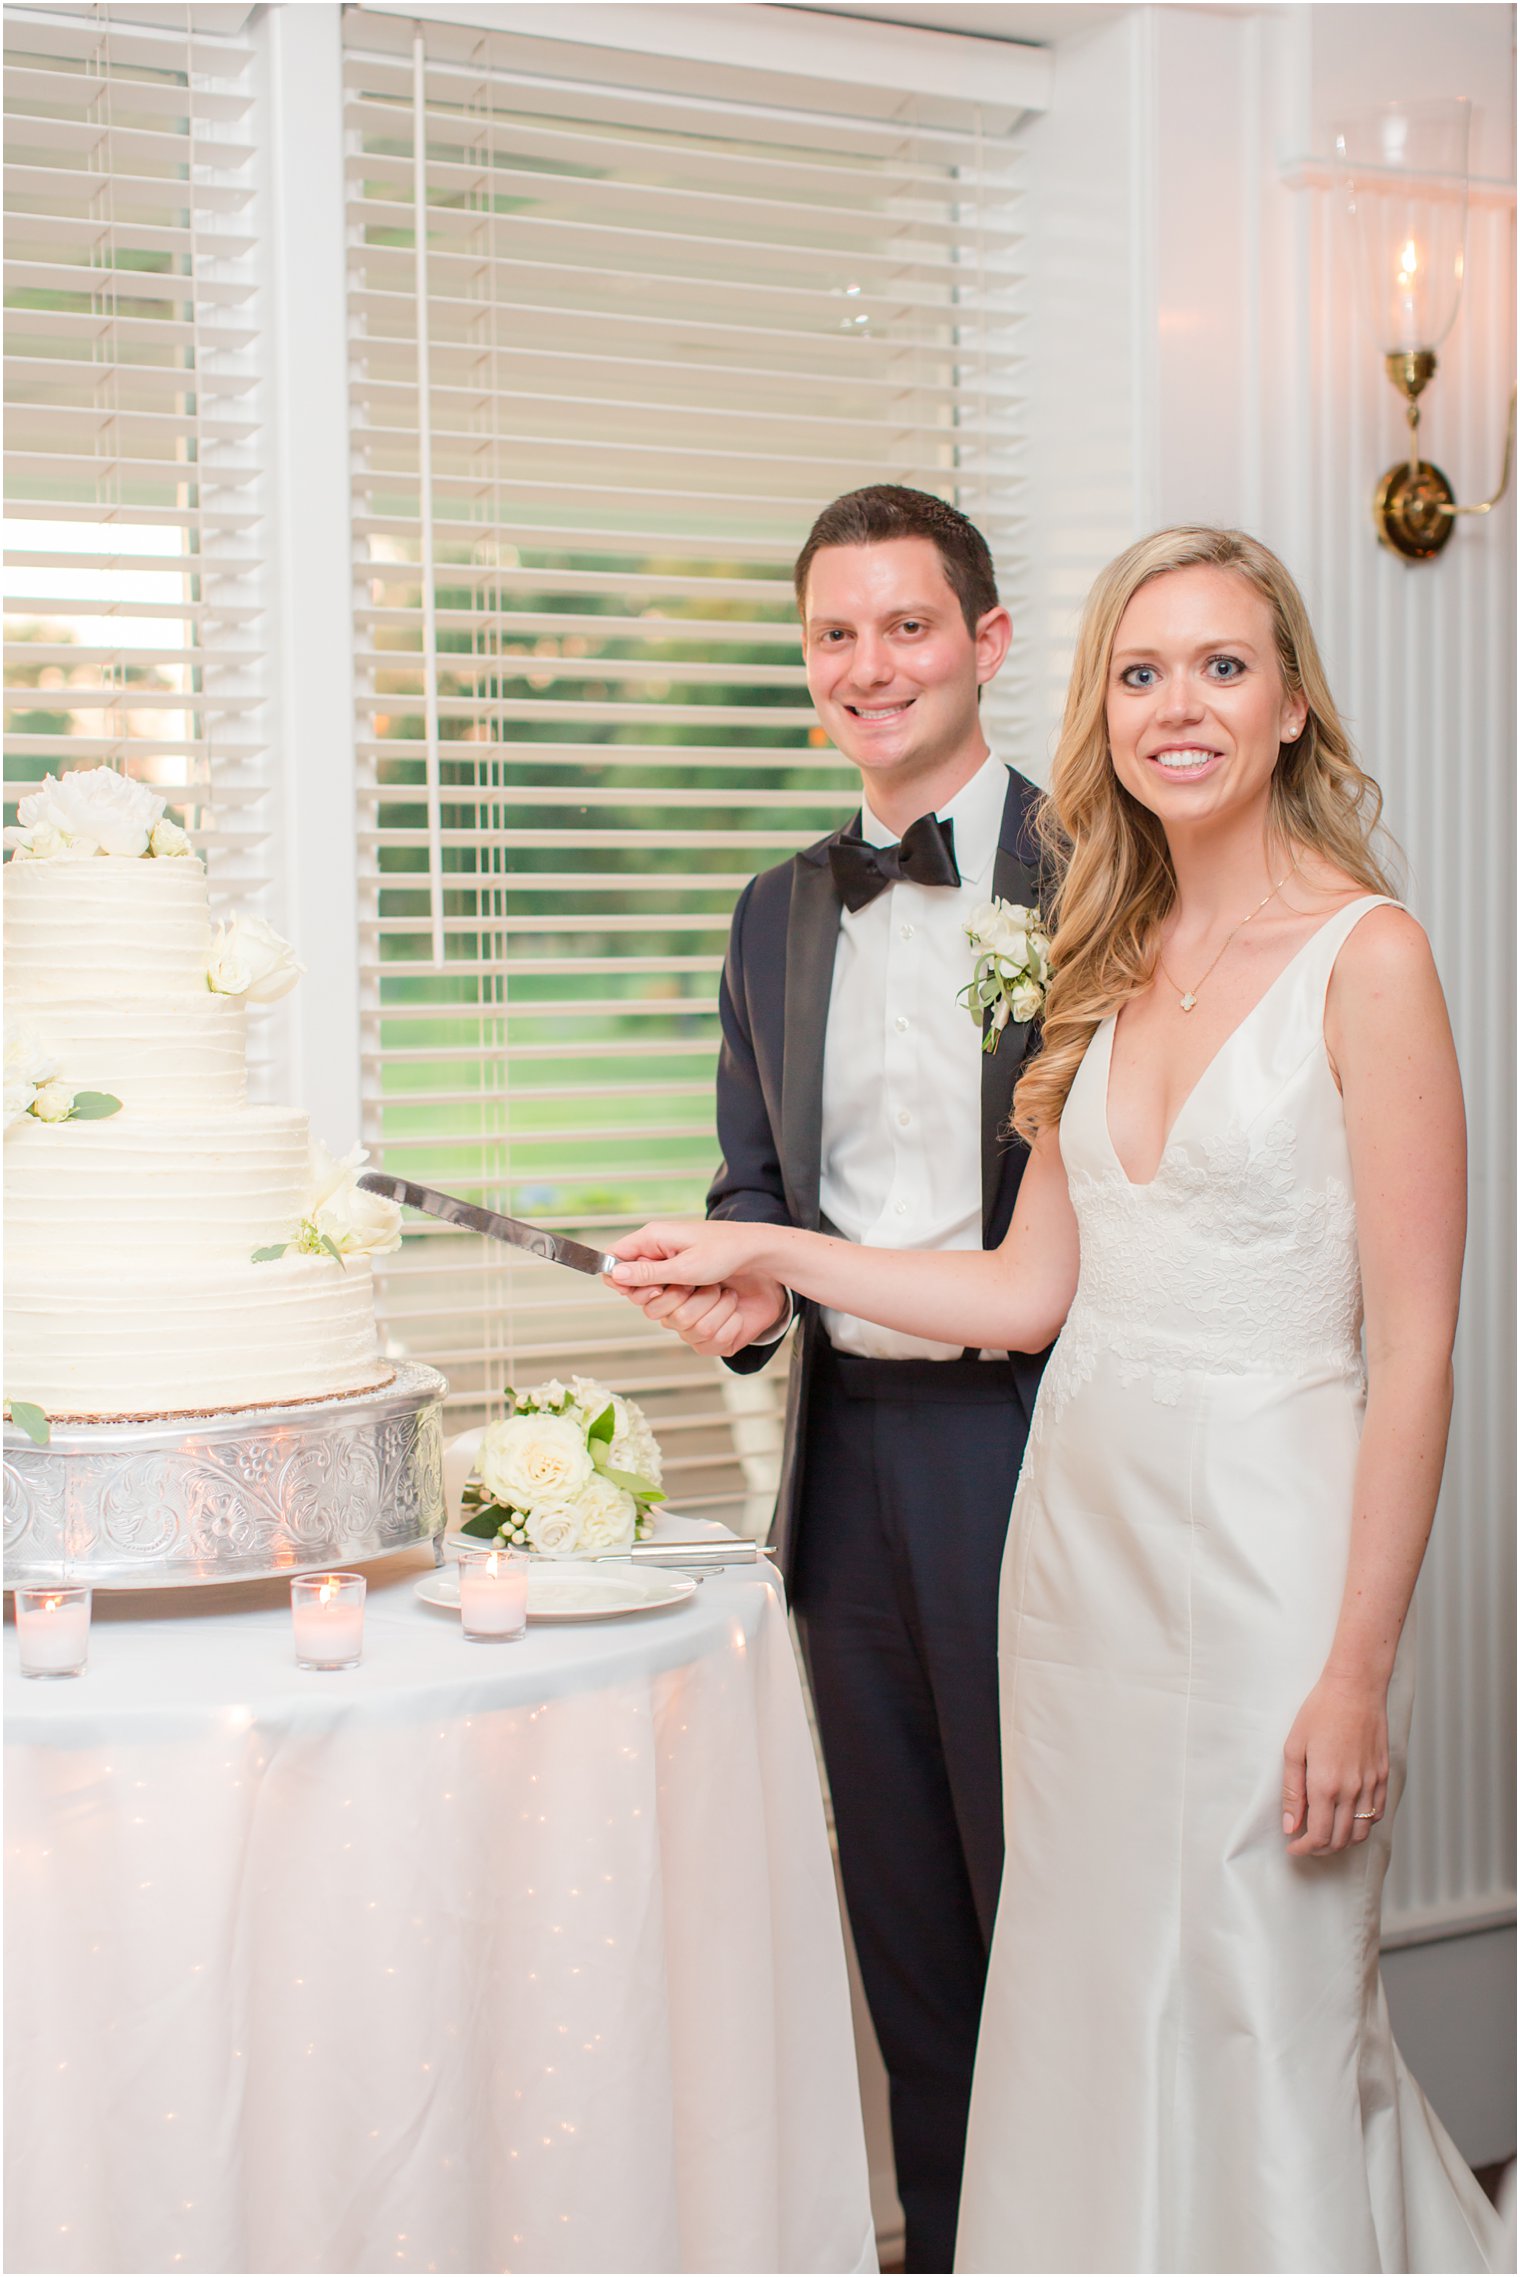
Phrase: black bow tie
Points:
(925, 856)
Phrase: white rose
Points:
(250, 959)
(95, 806)
(549, 1394)
(529, 1461)
(607, 1516)
(54, 1102)
(554, 1529)
(327, 1174)
(358, 1223)
(1027, 999)
(982, 924)
(28, 1068)
(42, 844)
(167, 838)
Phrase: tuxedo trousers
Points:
(909, 1468)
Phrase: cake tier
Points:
(99, 930)
(136, 1193)
(185, 1057)
(168, 1341)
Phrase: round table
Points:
(475, 1957)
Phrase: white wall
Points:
(1197, 357)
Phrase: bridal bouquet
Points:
(573, 1471)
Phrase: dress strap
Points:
(1324, 947)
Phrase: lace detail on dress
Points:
(1222, 1265)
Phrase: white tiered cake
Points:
(131, 1286)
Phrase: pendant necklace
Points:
(1188, 997)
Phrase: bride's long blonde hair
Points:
(1110, 853)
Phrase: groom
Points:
(853, 1092)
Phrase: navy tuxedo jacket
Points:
(774, 1005)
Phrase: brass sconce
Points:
(1404, 169)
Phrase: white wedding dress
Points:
(1185, 2060)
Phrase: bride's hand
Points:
(1335, 1767)
(691, 1253)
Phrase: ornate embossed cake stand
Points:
(231, 1497)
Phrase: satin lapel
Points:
(812, 933)
(1012, 880)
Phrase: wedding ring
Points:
(1367, 1814)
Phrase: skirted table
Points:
(475, 1957)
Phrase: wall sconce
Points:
(1404, 168)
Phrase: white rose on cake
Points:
(250, 959)
(168, 838)
(29, 1067)
(94, 810)
(529, 1462)
(341, 1212)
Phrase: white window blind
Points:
(644, 328)
(132, 417)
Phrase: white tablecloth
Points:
(476, 1957)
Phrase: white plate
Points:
(576, 1592)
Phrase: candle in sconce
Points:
(493, 1594)
(53, 1629)
(327, 1614)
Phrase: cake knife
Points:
(555, 1247)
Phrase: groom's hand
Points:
(722, 1321)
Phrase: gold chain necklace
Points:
(1188, 997)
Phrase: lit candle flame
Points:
(51, 1604)
(1409, 262)
(328, 1589)
(493, 1564)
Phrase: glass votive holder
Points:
(327, 1614)
(493, 1594)
(53, 1629)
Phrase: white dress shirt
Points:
(902, 1067)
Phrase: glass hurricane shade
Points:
(1404, 170)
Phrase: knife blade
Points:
(555, 1248)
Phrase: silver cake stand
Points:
(231, 1497)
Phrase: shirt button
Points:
(904, 1117)
(905, 933)
(901, 1209)
(901, 1025)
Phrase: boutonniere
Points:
(1012, 968)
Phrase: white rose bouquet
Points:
(1012, 968)
(573, 1471)
(93, 810)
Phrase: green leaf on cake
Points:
(274, 1249)
(93, 1107)
(30, 1418)
(331, 1247)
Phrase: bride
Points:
(1247, 1153)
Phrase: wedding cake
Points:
(169, 1249)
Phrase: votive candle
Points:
(53, 1629)
(493, 1594)
(327, 1614)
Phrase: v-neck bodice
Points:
(1239, 1255)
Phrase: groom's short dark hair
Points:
(888, 510)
